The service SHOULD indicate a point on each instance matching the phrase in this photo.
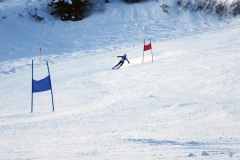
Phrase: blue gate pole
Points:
(32, 89)
(50, 86)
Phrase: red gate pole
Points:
(40, 54)
(151, 50)
(143, 50)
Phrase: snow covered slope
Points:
(185, 105)
(120, 26)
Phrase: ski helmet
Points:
(125, 55)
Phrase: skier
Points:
(120, 63)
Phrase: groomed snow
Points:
(184, 105)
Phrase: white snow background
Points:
(184, 105)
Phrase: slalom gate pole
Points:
(40, 54)
(143, 50)
(32, 89)
(151, 50)
(51, 87)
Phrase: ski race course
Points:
(184, 105)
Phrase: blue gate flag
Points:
(42, 85)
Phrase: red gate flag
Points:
(147, 47)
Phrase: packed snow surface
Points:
(183, 105)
